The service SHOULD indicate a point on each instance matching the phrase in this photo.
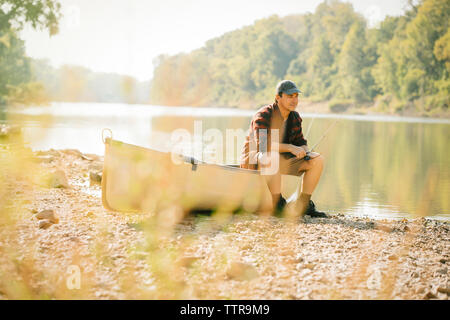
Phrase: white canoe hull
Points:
(137, 179)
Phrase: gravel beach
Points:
(58, 242)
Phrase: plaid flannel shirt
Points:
(257, 142)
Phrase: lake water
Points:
(376, 166)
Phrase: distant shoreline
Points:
(369, 109)
(304, 107)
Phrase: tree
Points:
(16, 77)
(14, 66)
(15, 14)
(320, 66)
(413, 63)
(442, 50)
(331, 54)
(352, 61)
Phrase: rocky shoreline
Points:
(58, 242)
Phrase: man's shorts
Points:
(291, 165)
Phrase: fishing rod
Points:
(307, 157)
(309, 128)
(294, 196)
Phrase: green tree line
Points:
(332, 55)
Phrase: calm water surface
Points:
(375, 166)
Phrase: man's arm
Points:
(299, 152)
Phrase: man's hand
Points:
(299, 152)
(313, 155)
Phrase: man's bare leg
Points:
(312, 174)
(273, 177)
(274, 184)
(313, 169)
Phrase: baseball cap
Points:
(288, 87)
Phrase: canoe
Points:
(138, 179)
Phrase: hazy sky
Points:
(124, 36)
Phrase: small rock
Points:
(44, 224)
(324, 279)
(57, 179)
(44, 158)
(305, 272)
(187, 261)
(287, 252)
(95, 177)
(84, 157)
(241, 271)
(48, 215)
(383, 227)
(414, 275)
(420, 290)
(392, 257)
(442, 260)
(443, 270)
(90, 214)
(429, 295)
(443, 289)
(247, 246)
(309, 266)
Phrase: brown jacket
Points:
(258, 137)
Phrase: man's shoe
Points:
(312, 212)
(279, 207)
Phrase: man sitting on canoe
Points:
(290, 150)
